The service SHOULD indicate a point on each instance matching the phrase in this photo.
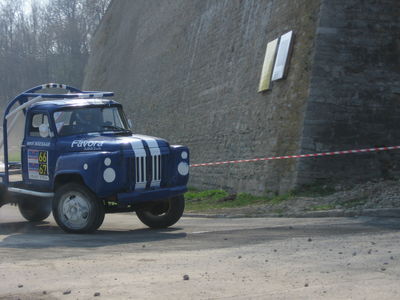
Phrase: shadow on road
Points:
(24, 235)
(43, 235)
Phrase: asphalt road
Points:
(246, 258)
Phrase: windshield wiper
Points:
(116, 128)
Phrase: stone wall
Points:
(188, 71)
(356, 69)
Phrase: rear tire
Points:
(162, 214)
(77, 210)
(3, 194)
(34, 209)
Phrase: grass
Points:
(348, 204)
(322, 207)
(206, 200)
(214, 199)
(196, 195)
(353, 203)
(14, 157)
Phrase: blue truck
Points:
(80, 160)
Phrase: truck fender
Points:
(62, 178)
(82, 167)
(89, 168)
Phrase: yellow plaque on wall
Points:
(269, 60)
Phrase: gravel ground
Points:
(215, 258)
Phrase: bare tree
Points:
(51, 43)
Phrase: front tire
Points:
(76, 209)
(162, 214)
(34, 209)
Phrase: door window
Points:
(39, 126)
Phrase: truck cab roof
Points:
(53, 105)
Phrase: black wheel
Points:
(162, 214)
(34, 209)
(76, 209)
(3, 194)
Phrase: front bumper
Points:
(150, 195)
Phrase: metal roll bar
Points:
(24, 103)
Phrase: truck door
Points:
(38, 149)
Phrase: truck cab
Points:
(80, 160)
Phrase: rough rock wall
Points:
(188, 71)
(356, 69)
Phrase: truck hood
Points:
(110, 143)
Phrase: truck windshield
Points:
(90, 119)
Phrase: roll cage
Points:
(31, 96)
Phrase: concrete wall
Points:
(355, 71)
(188, 71)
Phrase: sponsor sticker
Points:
(38, 165)
(39, 144)
(87, 145)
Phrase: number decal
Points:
(38, 167)
(43, 157)
(42, 169)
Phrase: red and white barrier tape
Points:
(297, 156)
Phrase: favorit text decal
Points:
(87, 145)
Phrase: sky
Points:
(27, 4)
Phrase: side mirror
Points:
(130, 123)
(44, 130)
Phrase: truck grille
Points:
(156, 170)
(140, 172)
(145, 165)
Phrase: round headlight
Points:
(109, 175)
(107, 161)
(183, 168)
(184, 155)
